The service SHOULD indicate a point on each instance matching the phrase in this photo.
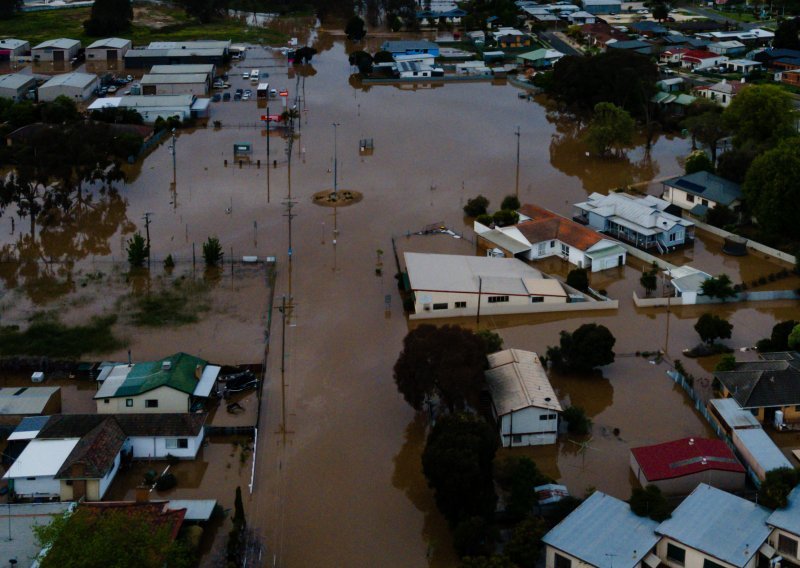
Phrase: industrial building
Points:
(77, 86)
(153, 107)
(176, 84)
(186, 69)
(62, 49)
(16, 86)
(109, 49)
(178, 53)
(11, 48)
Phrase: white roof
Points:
(80, 80)
(153, 101)
(544, 287)
(200, 44)
(745, 62)
(41, 458)
(730, 43)
(176, 78)
(113, 380)
(645, 214)
(25, 400)
(60, 43)
(517, 380)
(182, 68)
(112, 42)
(16, 80)
(12, 43)
(581, 14)
(207, 380)
(196, 509)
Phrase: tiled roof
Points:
(685, 457)
(158, 514)
(769, 382)
(545, 225)
(168, 424)
(95, 452)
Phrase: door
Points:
(58, 55)
(620, 260)
(111, 54)
(78, 489)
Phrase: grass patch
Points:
(48, 337)
(745, 17)
(180, 305)
(37, 27)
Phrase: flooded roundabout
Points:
(338, 479)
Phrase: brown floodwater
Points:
(341, 483)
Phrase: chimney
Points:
(198, 371)
(691, 441)
(142, 494)
(742, 80)
(724, 81)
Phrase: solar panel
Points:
(691, 186)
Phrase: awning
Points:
(767, 550)
(652, 560)
(196, 509)
(604, 252)
(699, 210)
(207, 380)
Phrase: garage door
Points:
(148, 89)
(111, 54)
(58, 55)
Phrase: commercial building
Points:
(185, 69)
(57, 50)
(598, 7)
(76, 86)
(16, 86)
(144, 58)
(176, 84)
(109, 49)
(153, 107)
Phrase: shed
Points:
(18, 402)
(151, 107)
(759, 451)
(197, 510)
(16, 86)
(76, 86)
(11, 48)
(57, 50)
(109, 49)
(727, 413)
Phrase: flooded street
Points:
(341, 484)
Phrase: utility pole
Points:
(283, 364)
(335, 163)
(289, 203)
(516, 192)
(172, 149)
(269, 165)
(147, 234)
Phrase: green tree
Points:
(649, 279)
(760, 116)
(383, 57)
(578, 278)
(588, 347)
(362, 60)
(726, 363)
(698, 162)
(212, 252)
(138, 251)
(474, 537)
(205, 10)
(660, 11)
(60, 111)
(491, 340)
(8, 8)
(236, 536)
(445, 362)
(505, 218)
(771, 189)
(721, 216)
(779, 338)
(109, 17)
(793, 341)
(649, 502)
(496, 561)
(719, 287)
(777, 485)
(610, 130)
(522, 497)
(786, 36)
(577, 421)
(476, 206)
(510, 202)
(734, 163)
(711, 327)
(526, 542)
(355, 30)
(457, 462)
(707, 125)
(238, 508)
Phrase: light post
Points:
(172, 149)
(517, 182)
(335, 163)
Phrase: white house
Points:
(580, 18)
(524, 402)
(33, 474)
(723, 92)
(701, 191)
(76, 86)
(160, 436)
(109, 49)
(57, 50)
(446, 285)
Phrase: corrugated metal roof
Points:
(733, 415)
(708, 186)
(645, 215)
(79, 80)
(517, 380)
(719, 524)
(60, 43)
(685, 457)
(196, 509)
(788, 518)
(111, 42)
(457, 273)
(28, 428)
(195, 44)
(182, 68)
(10, 43)
(762, 448)
(41, 458)
(207, 380)
(405, 45)
(177, 78)
(16, 81)
(505, 241)
(605, 533)
(25, 400)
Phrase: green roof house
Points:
(172, 384)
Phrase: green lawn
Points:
(745, 17)
(37, 27)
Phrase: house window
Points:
(497, 299)
(177, 443)
(129, 402)
(724, 99)
(68, 482)
(542, 249)
(442, 306)
(151, 403)
(711, 564)
(672, 237)
(106, 401)
(548, 416)
(31, 478)
(564, 249)
(461, 304)
(516, 439)
(690, 198)
(552, 244)
(562, 561)
(537, 299)
(787, 545)
(676, 554)
(704, 202)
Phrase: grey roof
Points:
(770, 382)
(517, 380)
(112, 42)
(24, 516)
(788, 518)
(142, 101)
(634, 44)
(196, 44)
(708, 186)
(504, 241)
(645, 215)
(601, 3)
(16, 81)
(10, 43)
(29, 428)
(75, 79)
(719, 524)
(603, 532)
(177, 52)
(405, 45)
(196, 509)
(181, 78)
(60, 43)
(762, 448)
(25, 400)
(733, 414)
(190, 68)
(692, 282)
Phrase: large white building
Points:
(11, 48)
(154, 107)
(76, 86)
(175, 84)
(109, 49)
(524, 402)
(56, 50)
(16, 86)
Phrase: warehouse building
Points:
(16, 86)
(186, 54)
(187, 69)
(62, 49)
(77, 86)
(158, 106)
(176, 84)
(11, 48)
(109, 49)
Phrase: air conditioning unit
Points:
(37, 377)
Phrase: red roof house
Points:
(677, 467)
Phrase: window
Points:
(106, 401)
(129, 402)
(542, 249)
(151, 403)
(461, 304)
(177, 443)
(690, 198)
(564, 249)
(562, 561)
(548, 416)
(537, 299)
(787, 545)
(442, 306)
(711, 564)
(672, 237)
(496, 299)
(704, 202)
(676, 554)
(516, 439)
(552, 244)
(31, 478)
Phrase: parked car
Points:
(216, 98)
(246, 75)
(237, 96)
(112, 89)
(239, 92)
(241, 382)
(129, 78)
(248, 92)
(226, 97)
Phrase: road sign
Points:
(284, 93)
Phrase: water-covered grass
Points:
(180, 304)
(46, 336)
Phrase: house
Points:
(729, 416)
(779, 59)
(730, 47)
(641, 221)
(648, 28)
(721, 93)
(755, 36)
(539, 58)
(599, 7)
(698, 60)
(153, 107)
(511, 38)
(602, 532)
(56, 50)
(769, 388)
(433, 17)
(447, 285)
(109, 49)
(744, 66)
(178, 84)
(701, 191)
(677, 467)
(670, 85)
(759, 453)
(173, 384)
(712, 528)
(785, 525)
(672, 55)
(18, 402)
(523, 401)
(13, 48)
(643, 47)
(581, 18)
(76, 86)
(408, 47)
(413, 69)
(600, 34)
(17, 86)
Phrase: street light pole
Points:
(174, 165)
(517, 182)
(335, 163)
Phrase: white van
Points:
(254, 76)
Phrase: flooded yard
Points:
(338, 473)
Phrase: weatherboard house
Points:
(701, 191)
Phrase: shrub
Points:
(578, 279)
(485, 219)
(577, 421)
(505, 217)
(138, 251)
(212, 252)
(726, 363)
(511, 202)
(476, 206)
(166, 482)
(169, 262)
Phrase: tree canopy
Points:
(649, 502)
(777, 485)
(588, 347)
(706, 125)
(610, 130)
(779, 338)
(719, 287)
(446, 362)
(786, 36)
(8, 8)
(760, 116)
(355, 30)
(109, 17)
(771, 189)
(578, 278)
(205, 10)
(711, 327)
